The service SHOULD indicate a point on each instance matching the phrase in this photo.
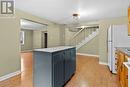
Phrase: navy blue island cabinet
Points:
(53, 67)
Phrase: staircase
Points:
(83, 36)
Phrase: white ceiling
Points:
(60, 11)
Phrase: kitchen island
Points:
(53, 67)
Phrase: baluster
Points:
(89, 31)
(76, 41)
(84, 34)
(95, 29)
(85, 31)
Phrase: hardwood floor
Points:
(88, 74)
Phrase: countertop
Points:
(124, 50)
(54, 49)
(127, 64)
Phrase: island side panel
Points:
(42, 69)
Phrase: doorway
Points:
(30, 39)
(32, 35)
(45, 36)
(44, 39)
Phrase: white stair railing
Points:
(84, 34)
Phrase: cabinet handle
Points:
(126, 76)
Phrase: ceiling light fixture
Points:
(76, 16)
(74, 26)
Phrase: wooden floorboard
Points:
(88, 74)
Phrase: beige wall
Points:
(9, 45)
(28, 41)
(68, 36)
(104, 25)
(62, 35)
(92, 47)
(53, 35)
(102, 42)
(99, 44)
(10, 40)
(37, 39)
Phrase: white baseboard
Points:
(103, 63)
(26, 51)
(10, 75)
(87, 54)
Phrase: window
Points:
(22, 35)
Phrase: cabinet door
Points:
(118, 63)
(70, 63)
(58, 69)
(126, 72)
(126, 77)
(67, 65)
(73, 60)
(122, 76)
(121, 68)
